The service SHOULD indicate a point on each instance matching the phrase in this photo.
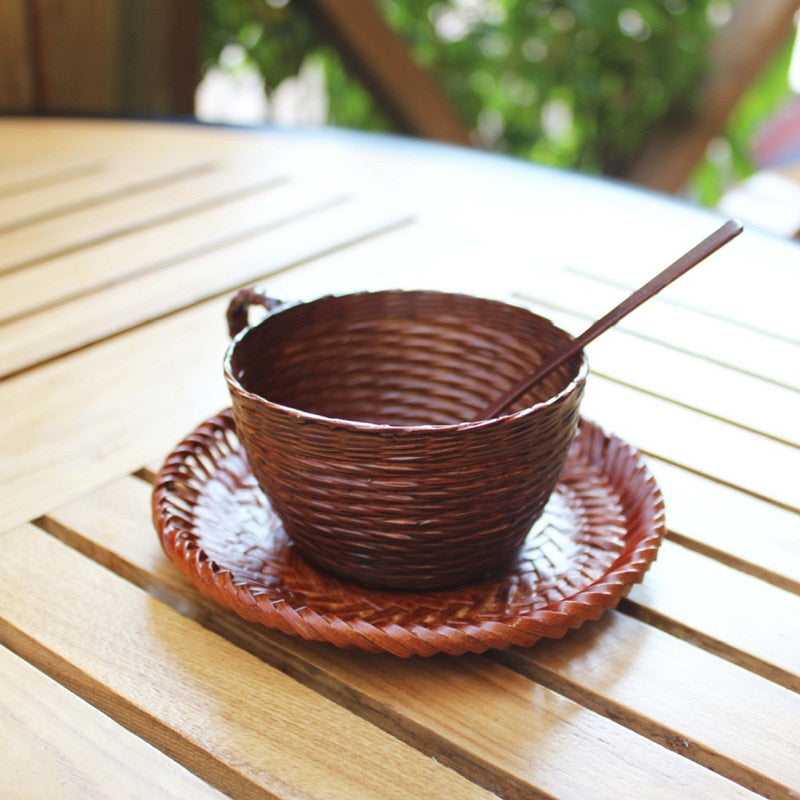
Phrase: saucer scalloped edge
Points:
(597, 537)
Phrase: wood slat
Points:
(109, 262)
(101, 423)
(303, 234)
(695, 441)
(735, 722)
(718, 341)
(731, 526)
(722, 287)
(468, 711)
(752, 536)
(160, 56)
(136, 56)
(693, 381)
(75, 63)
(91, 188)
(56, 745)
(19, 176)
(735, 615)
(691, 689)
(70, 231)
(29, 139)
(232, 720)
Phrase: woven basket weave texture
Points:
(354, 411)
(600, 531)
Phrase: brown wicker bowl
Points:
(355, 410)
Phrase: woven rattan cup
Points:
(353, 411)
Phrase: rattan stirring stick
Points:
(690, 259)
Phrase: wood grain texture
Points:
(702, 444)
(737, 616)
(56, 745)
(159, 62)
(102, 182)
(746, 345)
(756, 537)
(106, 263)
(77, 49)
(128, 213)
(17, 64)
(287, 232)
(108, 407)
(95, 56)
(633, 356)
(468, 712)
(25, 174)
(654, 686)
(113, 306)
(239, 724)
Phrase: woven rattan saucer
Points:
(598, 535)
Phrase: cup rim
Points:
(578, 379)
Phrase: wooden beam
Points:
(159, 59)
(380, 59)
(76, 52)
(738, 54)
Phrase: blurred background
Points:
(694, 97)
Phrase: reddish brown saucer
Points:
(599, 533)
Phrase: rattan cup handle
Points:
(239, 308)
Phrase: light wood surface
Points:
(120, 246)
(57, 745)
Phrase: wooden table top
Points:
(121, 244)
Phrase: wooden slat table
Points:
(120, 246)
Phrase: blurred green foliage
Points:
(575, 83)
(279, 38)
(569, 82)
(730, 159)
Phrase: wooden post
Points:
(380, 58)
(99, 56)
(739, 53)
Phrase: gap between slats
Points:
(207, 188)
(710, 644)
(284, 653)
(606, 281)
(55, 744)
(770, 576)
(124, 188)
(234, 721)
(222, 283)
(719, 417)
(537, 669)
(378, 688)
(676, 620)
(187, 253)
(723, 344)
(65, 278)
(722, 523)
(27, 177)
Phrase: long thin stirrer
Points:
(690, 259)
